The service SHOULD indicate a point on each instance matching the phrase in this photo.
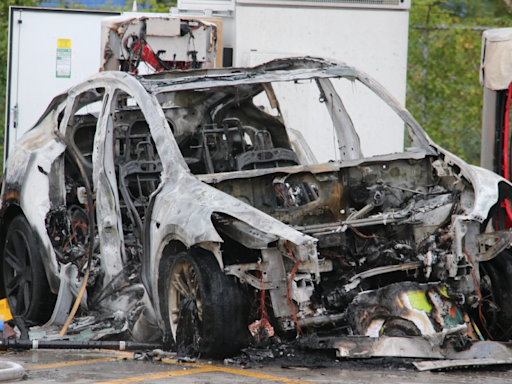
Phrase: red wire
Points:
(506, 173)
(479, 293)
(263, 307)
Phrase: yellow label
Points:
(63, 43)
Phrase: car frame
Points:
(199, 270)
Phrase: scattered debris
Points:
(261, 329)
(451, 364)
(8, 331)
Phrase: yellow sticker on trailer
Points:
(63, 69)
(64, 43)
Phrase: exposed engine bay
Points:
(392, 225)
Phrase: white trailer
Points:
(368, 34)
(49, 51)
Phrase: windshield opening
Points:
(280, 124)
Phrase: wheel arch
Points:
(222, 300)
(13, 209)
(173, 248)
(236, 242)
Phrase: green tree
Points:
(161, 5)
(443, 91)
(477, 8)
(146, 5)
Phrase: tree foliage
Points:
(443, 90)
(105, 5)
(143, 5)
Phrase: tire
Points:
(26, 287)
(497, 306)
(206, 309)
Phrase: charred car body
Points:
(211, 214)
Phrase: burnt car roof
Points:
(286, 64)
(276, 70)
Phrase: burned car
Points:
(179, 206)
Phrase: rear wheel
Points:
(26, 286)
(206, 309)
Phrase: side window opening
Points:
(304, 111)
(82, 125)
(267, 101)
(67, 223)
(374, 125)
(138, 166)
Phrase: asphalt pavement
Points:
(101, 366)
